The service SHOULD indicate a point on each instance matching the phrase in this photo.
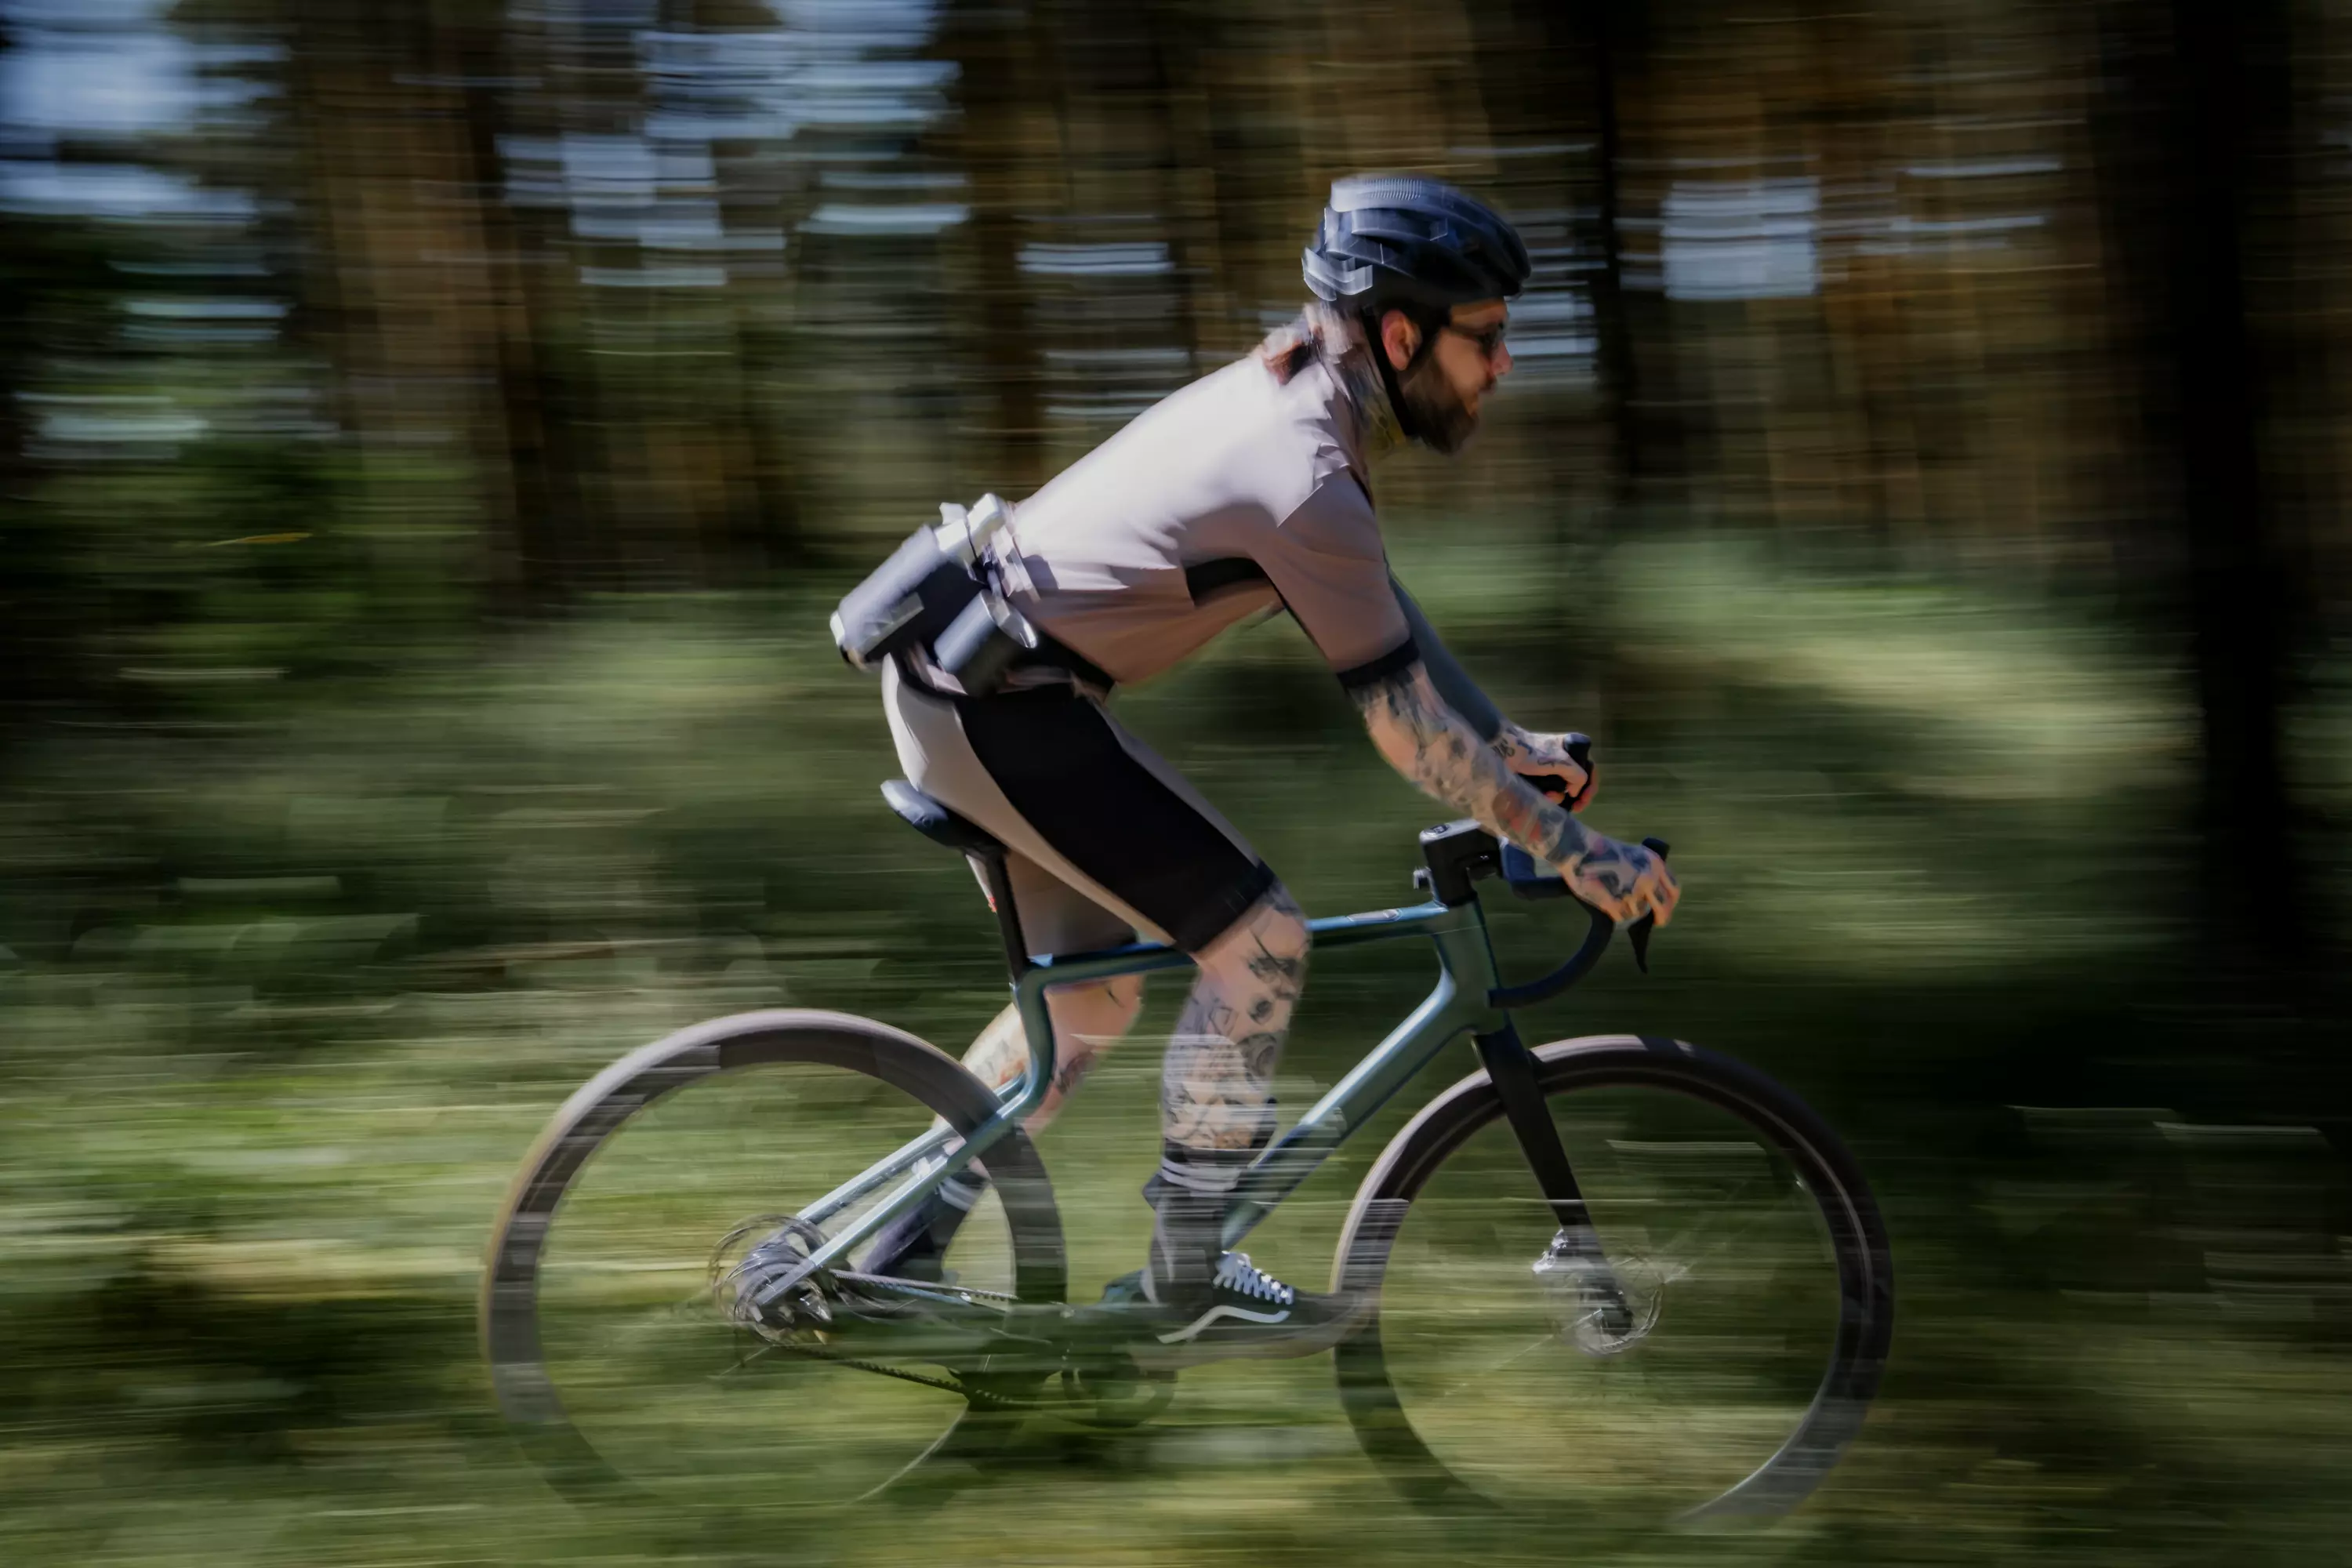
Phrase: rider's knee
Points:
(1271, 930)
(1096, 1013)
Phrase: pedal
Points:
(1126, 1289)
(1113, 1393)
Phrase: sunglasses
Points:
(1488, 341)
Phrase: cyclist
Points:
(1245, 492)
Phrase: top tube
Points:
(1329, 930)
(1028, 1092)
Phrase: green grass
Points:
(291, 993)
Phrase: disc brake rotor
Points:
(1591, 1317)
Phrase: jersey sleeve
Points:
(1446, 672)
(1326, 561)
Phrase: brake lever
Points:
(1637, 935)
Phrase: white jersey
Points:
(1239, 493)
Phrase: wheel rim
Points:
(1730, 1217)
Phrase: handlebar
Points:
(1530, 879)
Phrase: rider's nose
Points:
(1500, 365)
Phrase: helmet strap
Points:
(1391, 379)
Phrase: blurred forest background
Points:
(433, 433)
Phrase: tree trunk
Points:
(2230, 111)
(995, 52)
(529, 569)
(1612, 34)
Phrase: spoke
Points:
(1602, 1208)
(1717, 1237)
(1525, 1350)
(1673, 1257)
(916, 1152)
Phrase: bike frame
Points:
(1457, 1004)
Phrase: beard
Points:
(1437, 413)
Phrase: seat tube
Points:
(1037, 1028)
(1028, 993)
(999, 883)
(1037, 1019)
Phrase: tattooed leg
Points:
(1216, 1090)
(1216, 1093)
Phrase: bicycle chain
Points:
(945, 1384)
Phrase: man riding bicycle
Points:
(1245, 492)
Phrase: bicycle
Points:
(1711, 1252)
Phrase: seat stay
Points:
(929, 1175)
(906, 1157)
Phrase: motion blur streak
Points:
(432, 435)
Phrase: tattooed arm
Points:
(1429, 743)
(1543, 760)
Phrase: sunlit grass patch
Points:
(2002, 696)
(1869, 775)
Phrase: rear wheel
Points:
(612, 1354)
(1755, 1273)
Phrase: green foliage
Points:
(290, 995)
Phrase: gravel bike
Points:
(1614, 1268)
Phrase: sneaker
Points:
(1247, 1311)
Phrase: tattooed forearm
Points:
(1425, 740)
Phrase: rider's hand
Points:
(1543, 760)
(1623, 881)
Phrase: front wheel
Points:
(1755, 1281)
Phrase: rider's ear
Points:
(1400, 337)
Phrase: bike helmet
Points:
(1410, 243)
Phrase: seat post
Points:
(999, 882)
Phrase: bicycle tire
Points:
(527, 1395)
(1864, 1331)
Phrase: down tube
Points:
(1353, 1101)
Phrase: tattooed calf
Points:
(1216, 1090)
